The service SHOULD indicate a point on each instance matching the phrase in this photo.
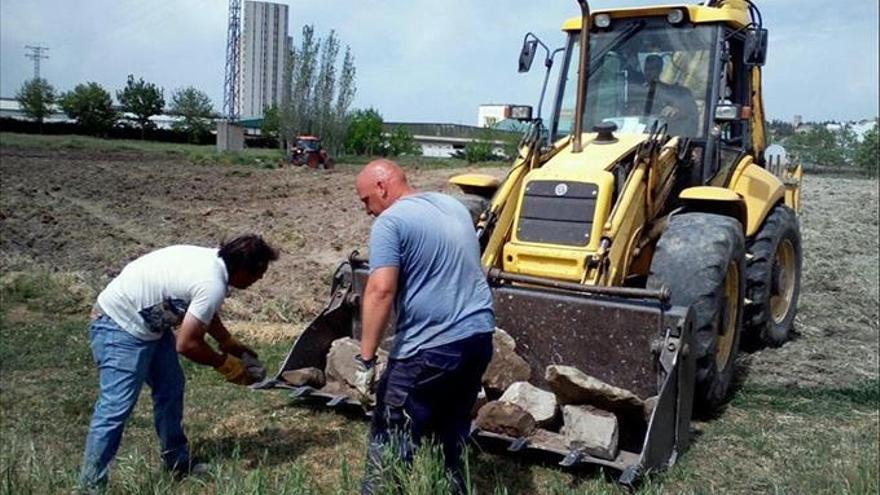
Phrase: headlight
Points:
(602, 20)
(675, 16)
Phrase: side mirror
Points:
(527, 54)
(755, 47)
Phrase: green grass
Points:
(768, 440)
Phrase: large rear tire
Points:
(773, 274)
(475, 205)
(701, 259)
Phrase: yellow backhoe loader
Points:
(640, 236)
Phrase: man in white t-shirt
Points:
(133, 342)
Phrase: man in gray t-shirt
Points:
(425, 264)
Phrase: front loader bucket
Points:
(624, 337)
(310, 348)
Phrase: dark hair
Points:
(247, 252)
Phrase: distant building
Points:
(10, 108)
(490, 114)
(446, 140)
(265, 46)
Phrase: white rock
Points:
(591, 429)
(541, 404)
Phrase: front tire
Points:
(701, 259)
(773, 279)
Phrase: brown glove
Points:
(232, 346)
(233, 369)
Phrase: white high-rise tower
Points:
(265, 47)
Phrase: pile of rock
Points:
(578, 412)
(590, 411)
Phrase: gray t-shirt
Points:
(442, 294)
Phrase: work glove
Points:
(364, 376)
(235, 371)
(254, 367)
(232, 346)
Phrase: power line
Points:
(35, 54)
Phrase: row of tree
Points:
(830, 145)
(91, 106)
(317, 92)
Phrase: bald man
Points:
(425, 263)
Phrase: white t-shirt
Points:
(153, 292)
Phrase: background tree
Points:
(400, 142)
(318, 93)
(296, 114)
(364, 135)
(195, 109)
(142, 99)
(818, 146)
(345, 93)
(325, 86)
(91, 106)
(867, 155)
(847, 142)
(271, 124)
(36, 97)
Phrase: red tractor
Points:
(307, 150)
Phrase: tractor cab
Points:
(308, 143)
(685, 69)
(307, 150)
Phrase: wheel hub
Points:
(782, 279)
(728, 317)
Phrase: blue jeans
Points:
(124, 364)
(429, 395)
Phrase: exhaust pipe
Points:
(583, 76)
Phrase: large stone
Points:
(341, 367)
(572, 386)
(541, 404)
(506, 366)
(312, 377)
(481, 401)
(505, 418)
(548, 440)
(591, 429)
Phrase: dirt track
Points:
(90, 214)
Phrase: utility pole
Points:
(233, 54)
(35, 53)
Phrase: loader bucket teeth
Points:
(572, 458)
(302, 392)
(337, 401)
(518, 444)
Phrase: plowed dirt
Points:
(90, 213)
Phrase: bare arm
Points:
(376, 309)
(191, 342)
(218, 330)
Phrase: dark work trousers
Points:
(428, 395)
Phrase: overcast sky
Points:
(430, 61)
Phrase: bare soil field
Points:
(90, 214)
(78, 216)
